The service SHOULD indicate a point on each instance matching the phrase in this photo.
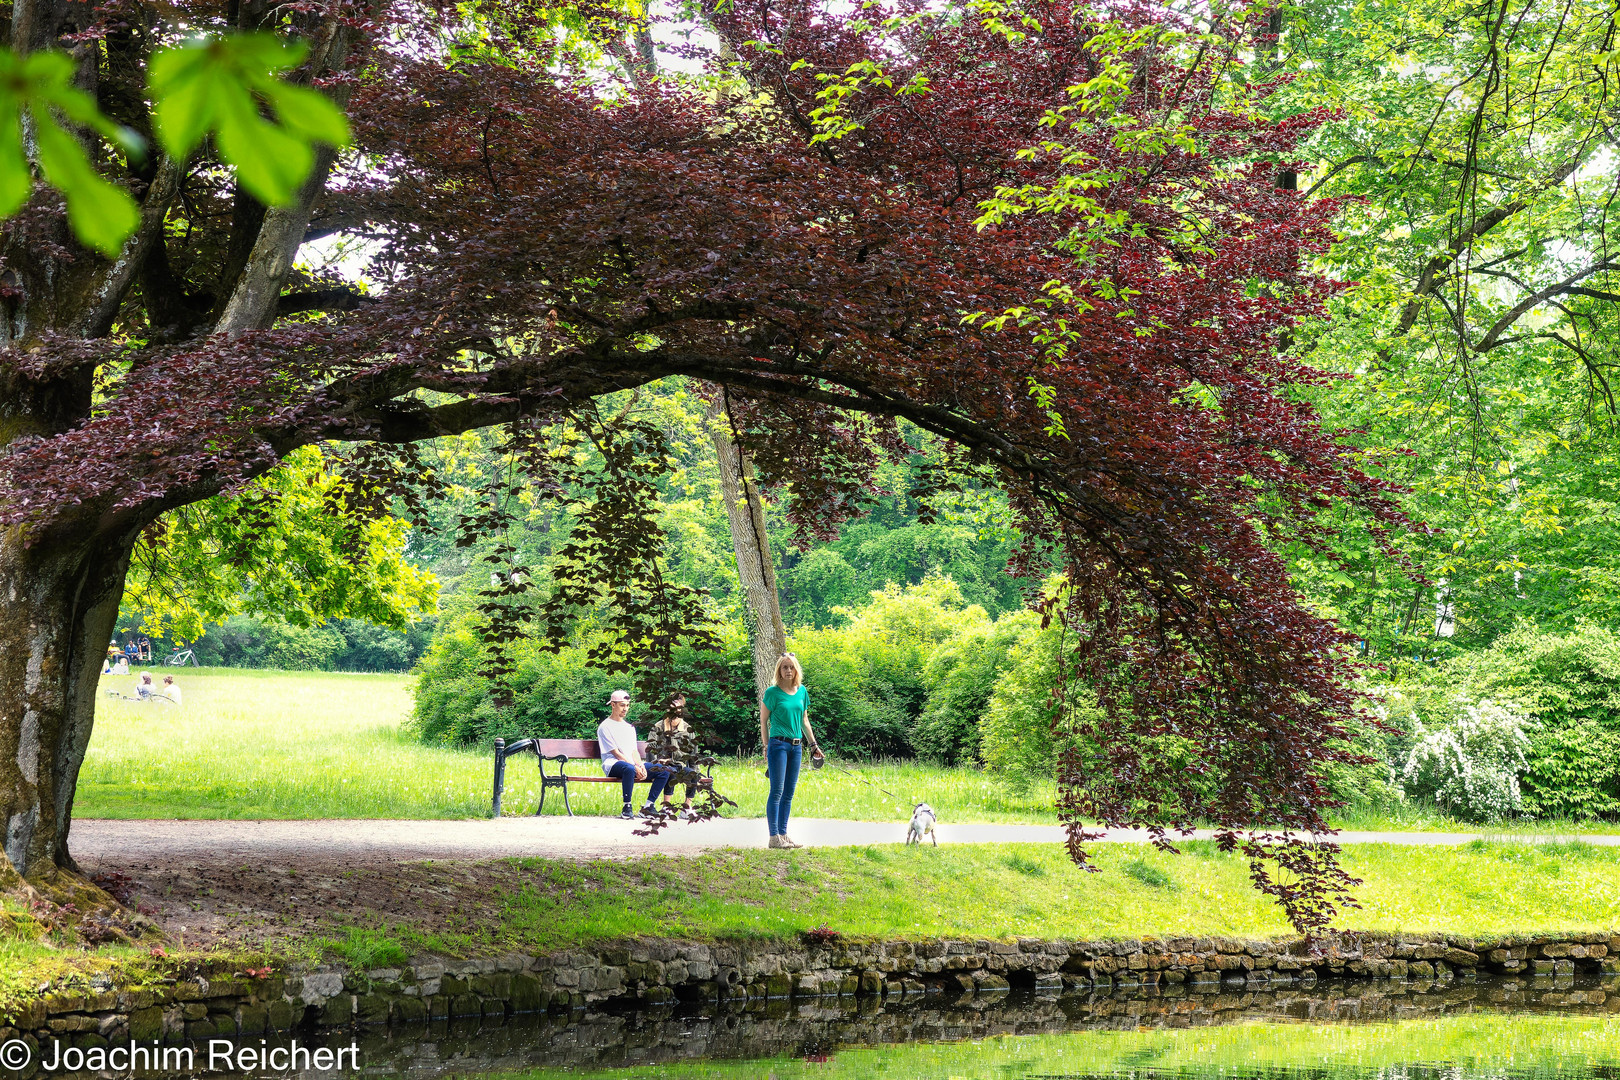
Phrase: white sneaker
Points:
(789, 843)
(776, 842)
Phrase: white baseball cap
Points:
(619, 695)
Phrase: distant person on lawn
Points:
(144, 689)
(784, 728)
(620, 759)
(171, 689)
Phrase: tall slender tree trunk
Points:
(1287, 179)
(751, 542)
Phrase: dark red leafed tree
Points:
(540, 243)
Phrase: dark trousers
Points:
(625, 774)
(668, 773)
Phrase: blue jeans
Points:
(661, 777)
(782, 766)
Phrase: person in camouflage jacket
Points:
(671, 745)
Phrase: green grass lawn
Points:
(263, 744)
(1413, 817)
(251, 744)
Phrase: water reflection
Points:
(1566, 1028)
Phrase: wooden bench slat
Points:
(580, 749)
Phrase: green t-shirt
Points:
(787, 711)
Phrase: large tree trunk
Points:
(58, 611)
(751, 542)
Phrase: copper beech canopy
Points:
(536, 243)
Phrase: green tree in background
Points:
(968, 542)
(288, 547)
(1474, 150)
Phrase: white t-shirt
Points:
(172, 692)
(617, 735)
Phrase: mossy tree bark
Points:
(750, 539)
(58, 612)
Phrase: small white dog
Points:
(922, 824)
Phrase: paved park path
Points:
(364, 841)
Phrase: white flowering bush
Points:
(1471, 766)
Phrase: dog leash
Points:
(851, 772)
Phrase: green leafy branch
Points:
(837, 90)
(36, 92)
(210, 86)
(214, 86)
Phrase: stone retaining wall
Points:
(654, 972)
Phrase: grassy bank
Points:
(31, 969)
(261, 744)
(380, 915)
(1008, 891)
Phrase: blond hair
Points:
(789, 660)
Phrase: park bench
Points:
(562, 751)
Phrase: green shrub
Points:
(866, 678)
(1025, 728)
(1570, 683)
(561, 696)
(1030, 725)
(243, 641)
(1373, 786)
(1470, 768)
(959, 679)
(852, 712)
(377, 648)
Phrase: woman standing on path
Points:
(784, 728)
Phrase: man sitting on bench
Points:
(620, 758)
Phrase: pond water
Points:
(1556, 1029)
